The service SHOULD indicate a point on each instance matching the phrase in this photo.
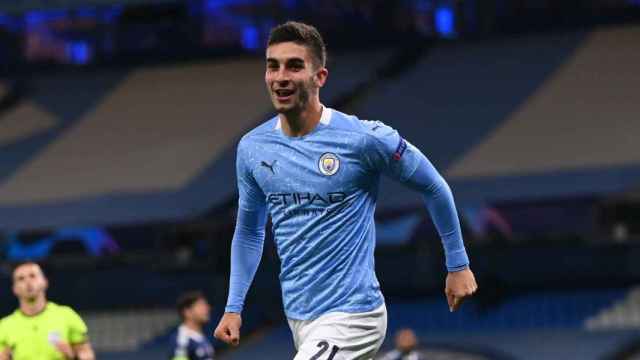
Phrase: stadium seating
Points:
(138, 144)
(505, 87)
(71, 142)
(623, 314)
(118, 331)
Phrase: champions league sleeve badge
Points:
(329, 164)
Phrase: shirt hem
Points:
(349, 309)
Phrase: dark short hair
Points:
(18, 264)
(302, 34)
(186, 300)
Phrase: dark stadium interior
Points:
(119, 122)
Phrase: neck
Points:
(193, 325)
(303, 122)
(33, 307)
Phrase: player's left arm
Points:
(83, 351)
(438, 198)
(78, 336)
(386, 151)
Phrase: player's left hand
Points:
(65, 349)
(459, 286)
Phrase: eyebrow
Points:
(25, 275)
(294, 60)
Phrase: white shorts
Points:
(340, 335)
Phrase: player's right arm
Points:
(5, 354)
(246, 248)
(5, 350)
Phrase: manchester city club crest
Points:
(329, 164)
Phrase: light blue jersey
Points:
(320, 191)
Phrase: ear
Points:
(46, 283)
(15, 290)
(321, 76)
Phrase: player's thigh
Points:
(344, 339)
(318, 349)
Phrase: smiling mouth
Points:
(284, 94)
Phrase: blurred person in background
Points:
(40, 329)
(316, 172)
(406, 344)
(189, 341)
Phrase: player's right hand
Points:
(5, 354)
(228, 329)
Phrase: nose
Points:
(282, 75)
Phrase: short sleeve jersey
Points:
(34, 337)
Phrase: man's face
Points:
(406, 340)
(29, 282)
(199, 311)
(291, 76)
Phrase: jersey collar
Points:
(325, 118)
(44, 308)
(190, 333)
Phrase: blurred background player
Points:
(190, 342)
(316, 171)
(41, 329)
(406, 344)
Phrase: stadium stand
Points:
(20, 119)
(178, 172)
(193, 161)
(118, 331)
(167, 156)
(22, 122)
(526, 79)
(140, 116)
(586, 105)
(623, 314)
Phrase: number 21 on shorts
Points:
(324, 346)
